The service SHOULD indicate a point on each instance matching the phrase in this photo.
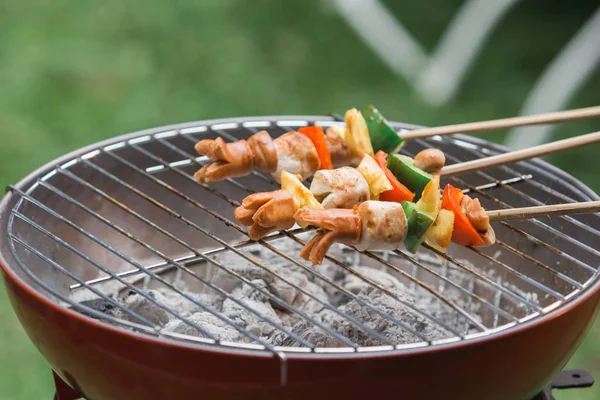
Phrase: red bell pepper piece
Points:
(317, 136)
(464, 233)
(399, 193)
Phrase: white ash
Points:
(308, 295)
(216, 327)
(371, 319)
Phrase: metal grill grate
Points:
(130, 215)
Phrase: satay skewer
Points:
(366, 132)
(520, 155)
(344, 187)
(376, 225)
(504, 123)
(506, 214)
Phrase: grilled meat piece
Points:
(266, 212)
(373, 225)
(296, 154)
(264, 151)
(430, 160)
(232, 160)
(343, 187)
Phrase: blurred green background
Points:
(76, 72)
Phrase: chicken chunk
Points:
(383, 225)
(296, 155)
(373, 225)
(343, 187)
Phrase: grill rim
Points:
(11, 199)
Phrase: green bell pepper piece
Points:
(404, 170)
(383, 136)
(418, 222)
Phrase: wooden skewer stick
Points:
(587, 207)
(519, 155)
(484, 126)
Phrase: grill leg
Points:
(566, 380)
(64, 391)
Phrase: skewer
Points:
(587, 207)
(520, 155)
(484, 126)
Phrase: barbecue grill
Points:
(126, 218)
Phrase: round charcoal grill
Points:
(125, 219)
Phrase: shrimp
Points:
(266, 212)
(373, 225)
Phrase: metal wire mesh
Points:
(140, 191)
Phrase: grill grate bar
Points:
(241, 278)
(189, 271)
(114, 251)
(437, 294)
(186, 260)
(484, 278)
(540, 264)
(527, 279)
(64, 271)
(445, 279)
(96, 264)
(502, 183)
(547, 246)
(471, 288)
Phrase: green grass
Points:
(75, 72)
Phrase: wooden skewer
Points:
(484, 126)
(519, 155)
(587, 207)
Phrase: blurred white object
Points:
(459, 47)
(438, 77)
(561, 79)
(392, 43)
